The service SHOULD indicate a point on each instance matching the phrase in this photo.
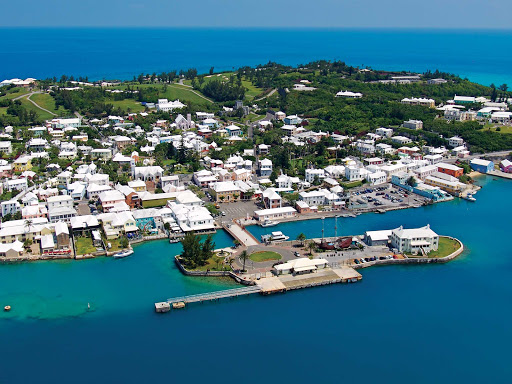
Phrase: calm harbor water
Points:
(401, 324)
(120, 53)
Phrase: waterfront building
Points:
(300, 266)
(506, 166)
(417, 240)
(376, 238)
(453, 187)
(482, 166)
(275, 213)
(192, 218)
(450, 169)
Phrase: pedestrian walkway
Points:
(238, 233)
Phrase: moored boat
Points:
(268, 223)
(122, 254)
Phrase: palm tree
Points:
(311, 247)
(28, 224)
(301, 237)
(244, 256)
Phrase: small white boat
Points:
(268, 223)
(470, 197)
(122, 254)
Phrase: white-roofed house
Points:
(417, 240)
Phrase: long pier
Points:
(165, 306)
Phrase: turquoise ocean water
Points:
(401, 324)
(482, 56)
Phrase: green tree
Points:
(244, 256)
(301, 237)
(311, 247)
(123, 242)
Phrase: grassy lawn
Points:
(132, 105)
(46, 101)
(173, 92)
(446, 247)
(84, 245)
(115, 245)
(15, 92)
(503, 129)
(352, 184)
(259, 257)
(214, 263)
(31, 107)
(252, 90)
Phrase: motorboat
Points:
(122, 254)
(268, 223)
(274, 236)
(470, 197)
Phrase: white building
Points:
(60, 208)
(417, 240)
(311, 174)
(384, 132)
(455, 141)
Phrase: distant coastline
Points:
(31, 51)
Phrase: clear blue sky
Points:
(260, 13)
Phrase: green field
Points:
(252, 90)
(46, 101)
(16, 92)
(259, 257)
(128, 105)
(503, 129)
(31, 107)
(84, 245)
(173, 92)
(446, 247)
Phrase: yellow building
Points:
(452, 187)
(22, 164)
(225, 191)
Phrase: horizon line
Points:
(491, 29)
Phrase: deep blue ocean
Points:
(107, 53)
(402, 324)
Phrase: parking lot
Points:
(387, 196)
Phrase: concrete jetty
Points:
(267, 286)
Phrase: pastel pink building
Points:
(506, 166)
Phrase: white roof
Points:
(481, 162)
(47, 241)
(414, 232)
(303, 263)
(273, 211)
